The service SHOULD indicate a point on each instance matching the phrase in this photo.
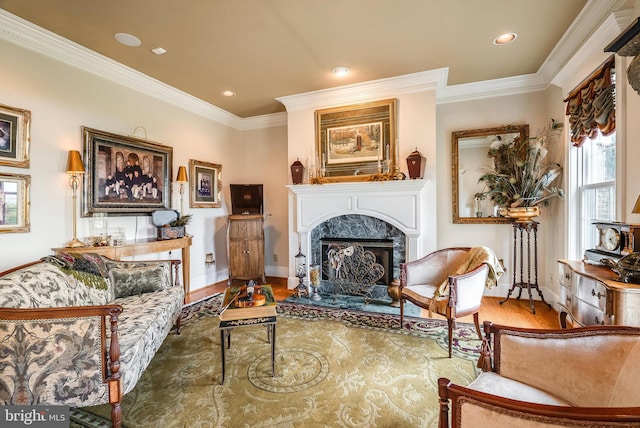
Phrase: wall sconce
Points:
(75, 169)
(208, 259)
(182, 179)
(636, 207)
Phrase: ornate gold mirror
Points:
(469, 158)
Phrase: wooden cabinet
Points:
(245, 241)
(590, 295)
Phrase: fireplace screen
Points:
(355, 267)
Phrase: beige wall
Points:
(62, 99)
(486, 113)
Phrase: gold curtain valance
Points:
(591, 105)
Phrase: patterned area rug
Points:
(334, 367)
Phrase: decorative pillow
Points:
(137, 280)
(88, 268)
(83, 262)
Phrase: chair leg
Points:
(476, 321)
(401, 313)
(450, 322)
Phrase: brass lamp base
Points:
(74, 243)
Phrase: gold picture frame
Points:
(114, 167)
(355, 142)
(14, 203)
(205, 184)
(15, 126)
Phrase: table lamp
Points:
(75, 169)
(182, 179)
(636, 207)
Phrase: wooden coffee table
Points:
(234, 317)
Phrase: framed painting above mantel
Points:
(125, 175)
(353, 143)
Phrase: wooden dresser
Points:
(245, 246)
(590, 295)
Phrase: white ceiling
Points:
(265, 49)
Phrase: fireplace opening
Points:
(381, 248)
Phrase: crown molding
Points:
(588, 23)
(591, 52)
(593, 26)
(491, 88)
(432, 80)
(27, 35)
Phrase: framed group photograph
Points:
(125, 175)
(354, 142)
(14, 136)
(14, 203)
(205, 184)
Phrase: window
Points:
(596, 186)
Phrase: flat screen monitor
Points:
(246, 198)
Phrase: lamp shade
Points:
(636, 207)
(74, 163)
(182, 175)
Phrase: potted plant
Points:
(521, 178)
(175, 228)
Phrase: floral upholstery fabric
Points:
(145, 321)
(59, 361)
(130, 281)
(46, 370)
(45, 285)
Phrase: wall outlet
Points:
(275, 257)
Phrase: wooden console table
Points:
(140, 247)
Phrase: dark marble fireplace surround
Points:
(359, 228)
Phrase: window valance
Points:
(591, 105)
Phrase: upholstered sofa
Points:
(581, 377)
(79, 330)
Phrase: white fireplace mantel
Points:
(407, 204)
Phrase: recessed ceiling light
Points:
(128, 39)
(341, 71)
(159, 50)
(505, 38)
(228, 93)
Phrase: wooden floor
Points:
(513, 312)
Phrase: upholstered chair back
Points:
(440, 265)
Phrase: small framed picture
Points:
(14, 136)
(14, 203)
(205, 184)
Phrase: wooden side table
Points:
(233, 317)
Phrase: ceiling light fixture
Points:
(341, 71)
(128, 39)
(228, 93)
(505, 38)
(159, 50)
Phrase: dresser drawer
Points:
(588, 315)
(564, 275)
(246, 229)
(592, 292)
